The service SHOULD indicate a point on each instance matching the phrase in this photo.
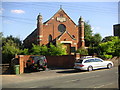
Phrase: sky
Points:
(20, 18)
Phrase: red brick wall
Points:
(66, 61)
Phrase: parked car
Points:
(37, 62)
(89, 63)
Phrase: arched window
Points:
(50, 38)
(61, 28)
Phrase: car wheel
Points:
(90, 68)
(109, 66)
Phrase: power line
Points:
(18, 21)
(17, 18)
(81, 8)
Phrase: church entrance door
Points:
(67, 46)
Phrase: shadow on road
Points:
(70, 71)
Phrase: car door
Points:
(90, 62)
(99, 63)
(94, 63)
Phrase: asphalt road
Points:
(105, 78)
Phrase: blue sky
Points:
(19, 18)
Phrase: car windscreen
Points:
(79, 61)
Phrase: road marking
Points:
(103, 85)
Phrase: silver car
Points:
(92, 63)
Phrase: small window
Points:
(50, 38)
(73, 49)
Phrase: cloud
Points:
(1, 10)
(18, 11)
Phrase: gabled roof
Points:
(58, 12)
(30, 35)
(64, 33)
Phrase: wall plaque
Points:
(61, 19)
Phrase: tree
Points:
(108, 38)
(1, 36)
(110, 47)
(9, 50)
(88, 33)
(82, 51)
(95, 40)
(14, 39)
(90, 38)
(11, 46)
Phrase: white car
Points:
(90, 64)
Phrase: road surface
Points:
(105, 78)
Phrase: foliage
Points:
(117, 47)
(35, 50)
(109, 38)
(1, 36)
(14, 39)
(57, 50)
(52, 50)
(9, 50)
(92, 50)
(11, 46)
(82, 51)
(110, 48)
(24, 51)
(96, 39)
(90, 39)
(88, 33)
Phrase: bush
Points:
(57, 50)
(24, 52)
(51, 51)
(82, 51)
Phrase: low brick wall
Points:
(66, 61)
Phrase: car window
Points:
(79, 61)
(92, 60)
(87, 61)
(36, 58)
(98, 60)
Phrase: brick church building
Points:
(58, 29)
